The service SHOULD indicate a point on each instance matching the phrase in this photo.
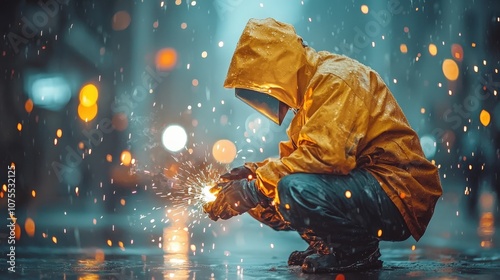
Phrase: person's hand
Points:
(234, 198)
(237, 173)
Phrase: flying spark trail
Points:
(188, 190)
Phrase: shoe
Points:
(297, 257)
(325, 263)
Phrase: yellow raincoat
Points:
(347, 118)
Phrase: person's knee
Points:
(290, 192)
(289, 185)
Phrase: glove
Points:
(234, 198)
(240, 172)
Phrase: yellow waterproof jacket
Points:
(347, 118)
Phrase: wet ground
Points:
(424, 263)
(454, 247)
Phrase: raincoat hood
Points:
(270, 68)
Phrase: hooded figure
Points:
(352, 172)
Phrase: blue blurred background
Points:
(107, 108)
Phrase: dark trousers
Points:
(349, 213)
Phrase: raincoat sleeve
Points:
(326, 133)
(286, 148)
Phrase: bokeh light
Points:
(126, 157)
(17, 231)
(364, 9)
(174, 138)
(87, 114)
(121, 20)
(224, 151)
(428, 144)
(450, 69)
(403, 48)
(348, 194)
(88, 95)
(166, 59)
(29, 227)
(457, 52)
(485, 117)
(433, 49)
(28, 105)
(49, 92)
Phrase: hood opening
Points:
(265, 104)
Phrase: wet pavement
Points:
(454, 247)
(424, 263)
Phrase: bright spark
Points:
(187, 191)
(207, 195)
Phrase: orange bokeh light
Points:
(87, 113)
(126, 158)
(485, 117)
(403, 48)
(433, 50)
(224, 151)
(28, 105)
(166, 59)
(17, 231)
(450, 69)
(340, 277)
(29, 227)
(88, 95)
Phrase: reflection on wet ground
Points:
(423, 263)
(453, 248)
